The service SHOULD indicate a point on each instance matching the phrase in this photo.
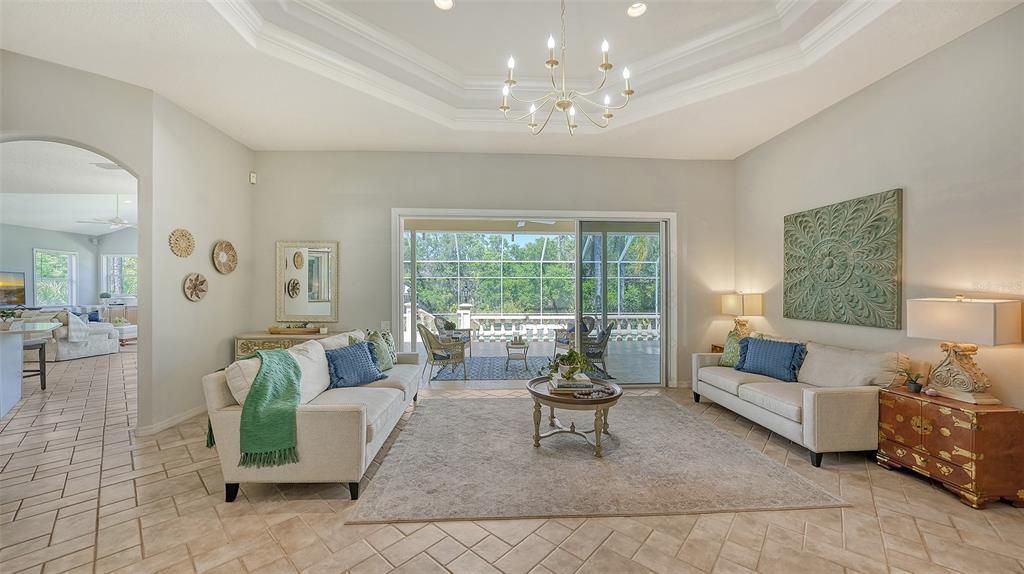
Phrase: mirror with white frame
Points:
(307, 281)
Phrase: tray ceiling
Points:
(713, 79)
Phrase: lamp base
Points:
(742, 327)
(959, 378)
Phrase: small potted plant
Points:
(913, 380)
(105, 298)
(6, 318)
(568, 364)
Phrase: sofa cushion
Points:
(729, 379)
(771, 358)
(403, 377)
(827, 366)
(383, 406)
(783, 399)
(312, 364)
(342, 339)
(352, 366)
(731, 350)
(379, 350)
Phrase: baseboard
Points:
(168, 423)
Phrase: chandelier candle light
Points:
(561, 98)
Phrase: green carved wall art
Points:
(842, 262)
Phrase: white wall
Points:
(17, 243)
(122, 242)
(200, 183)
(949, 130)
(190, 175)
(348, 197)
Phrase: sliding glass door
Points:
(620, 298)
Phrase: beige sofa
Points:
(833, 406)
(338, 433)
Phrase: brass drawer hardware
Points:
(921, 425)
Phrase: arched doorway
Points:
(69, 253)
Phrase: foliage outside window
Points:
(529, 274)
(55, 277)
(121, 275)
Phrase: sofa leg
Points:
(353, 490)
(696, 397)
(816, 458)
(230, 491)
(416, 397)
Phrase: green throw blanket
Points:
(267, 431)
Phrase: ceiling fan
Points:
(116, 222)
(522, 223)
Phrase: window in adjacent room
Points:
(121, 275)
(54, 277)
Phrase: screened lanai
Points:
(501, 279)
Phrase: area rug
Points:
(493, 369)
(475, 459)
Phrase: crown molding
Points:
(789, 55)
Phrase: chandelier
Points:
(569, 103)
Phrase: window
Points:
(54, 277)
(121, 275)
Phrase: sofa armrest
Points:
(840, 419)
(408, 358)
(341, 460)
(701, 360)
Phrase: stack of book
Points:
(561, 386)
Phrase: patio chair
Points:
(444, 354)
(596, 348)
(565, 338)
(454, 334)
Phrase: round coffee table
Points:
(542, 396)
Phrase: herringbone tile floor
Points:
(80, 493)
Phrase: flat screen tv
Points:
(12, 288)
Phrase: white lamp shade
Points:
(979, 321)
(743, 304)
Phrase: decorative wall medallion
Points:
(182, 242)
(842, 262)
(298, 260)
(195, 286)
(292, 288)
(225, 258)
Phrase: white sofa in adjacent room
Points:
(339, 432)
(84, 339)
(833, 406)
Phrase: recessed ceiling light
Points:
(635, 10)
(444, 4)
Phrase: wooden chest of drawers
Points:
(976, 451)
(249, 343)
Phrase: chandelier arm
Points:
(528, 113)
(598, 124)
(534, 101)
(546, 120)
(568, 122)
(597, 105)
(604, 79)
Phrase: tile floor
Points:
(80, 493)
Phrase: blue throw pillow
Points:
(775, 359)
(94, 316)
(352, 366)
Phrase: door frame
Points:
(670, 257)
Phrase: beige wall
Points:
(348, 197)
(200, 183)
(190, 175)
(949, 129)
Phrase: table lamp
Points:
(740, 305)
(968, 322)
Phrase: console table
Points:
(976, 451)
(249, 343)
